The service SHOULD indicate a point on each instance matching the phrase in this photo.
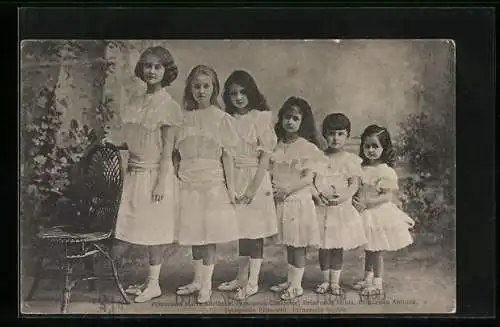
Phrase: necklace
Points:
(287, 145)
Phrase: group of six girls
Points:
(235, 176)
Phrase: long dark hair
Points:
(307, 127)
(189, 102)
(256, 100)
(388, 155)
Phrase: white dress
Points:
(297, 221)
(386, 226)
(341, 226)
(206, 215)
(141, 220)
(256, 135)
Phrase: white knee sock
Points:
(206, 274)
(255, 265)
(197, 271)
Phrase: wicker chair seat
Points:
(64, 234)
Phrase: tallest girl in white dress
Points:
(147, 210)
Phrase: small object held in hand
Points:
(280, 195)
(329, 187)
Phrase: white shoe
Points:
(230, 286)
(362, 284)
(280, 287)
(204, 296)
(244, 293)
(148, 294)
(292, 293)
(135, 289)
(188, 289)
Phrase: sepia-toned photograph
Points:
(245, 177)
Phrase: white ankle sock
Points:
(154, 276)
(326, 276)
(335, 276)
(255, 265)
(243, 267)
(290, 273)
(368, 276)
(297, 274)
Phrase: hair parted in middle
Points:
(188, 100)
(307, 129)
(256, 99)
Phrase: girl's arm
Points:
(167, 135)
(257, 180)
(228, 165)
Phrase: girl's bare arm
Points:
(167, 135)
(228, 165)
(259, 175)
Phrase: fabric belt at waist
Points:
(245, 162)
(201, 171)
(134, 165)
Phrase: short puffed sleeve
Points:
(170, 113)
(265, 131)
(161, 110)
(353, 165)
(388, 179)
(227, 133)
(312, 157)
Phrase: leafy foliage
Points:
(51, 153)
(427, 142)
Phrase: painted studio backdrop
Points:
(71, 89)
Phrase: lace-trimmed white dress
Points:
(297, 220)
(256, 136)
(206, 215)
(341, 226)
(141, 220)
(386, 226)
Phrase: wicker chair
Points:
(91, 226)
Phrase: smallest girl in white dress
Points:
(340, 224)
(386, 226)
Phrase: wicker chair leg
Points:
(115, 274)
(68, 284)
(36, 281)
(89, 267)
